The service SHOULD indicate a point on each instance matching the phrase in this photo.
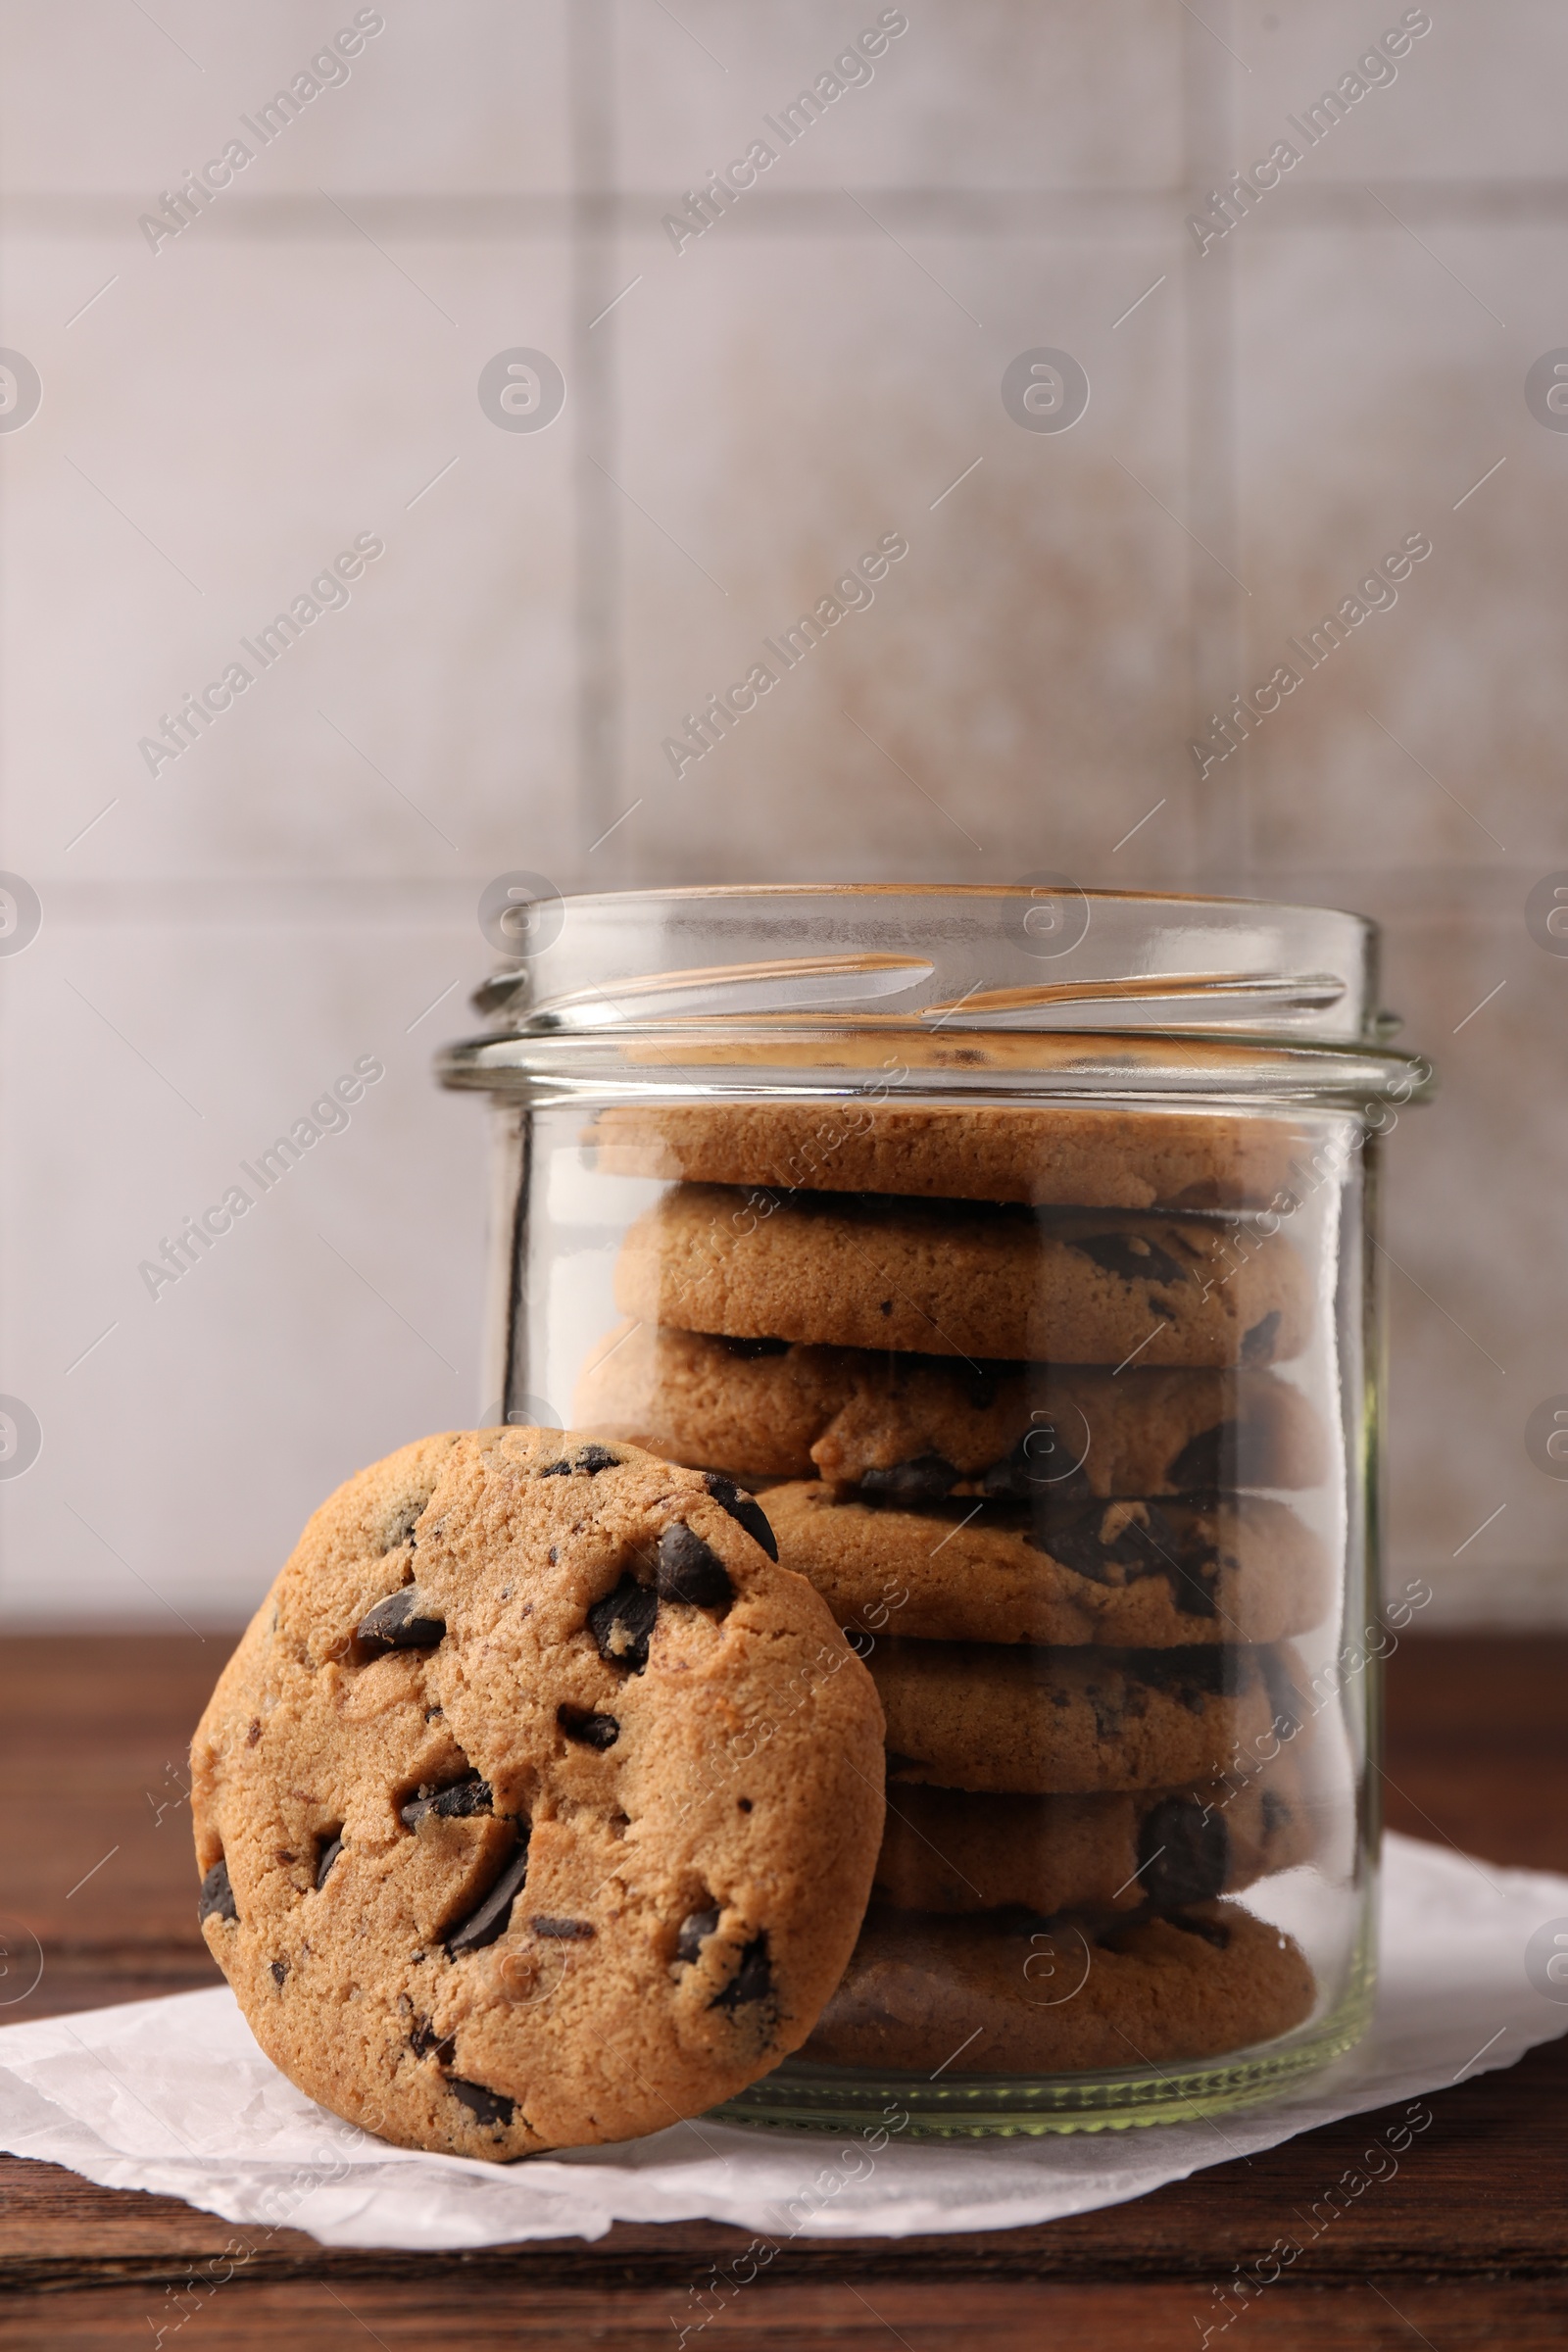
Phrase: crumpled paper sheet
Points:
(173, 2096)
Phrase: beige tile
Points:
(337, 1318)
(1474, 98)
(981, 95)
(209, 441)
(1021, 668)
(101, 100)
(1480, 1267)
(1374, 394)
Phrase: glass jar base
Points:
(800, 2096)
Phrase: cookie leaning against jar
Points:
(537, 1804)
(956, 1279)
(767, 1407)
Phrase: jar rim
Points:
(1037, 955)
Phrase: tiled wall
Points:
(298, 366)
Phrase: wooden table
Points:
(1466, 2245)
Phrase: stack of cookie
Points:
(1006, 1380)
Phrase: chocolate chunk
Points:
(488, 2106)
(1076, 1544)
(457, 1804)
(1194, 1572)
(1137, 1539)
(753, 1980)
(1275, 1811)
(1132, 1255)
(216, 1897)
(693, 1928)
(1183, 1853)
(746, 1509)
(327, 1855)
(1038, 1462)
(425, 2042)
(887, 1306)
(748, 1349)
(1192, 1595)
(400, 1622)
(565, 1930)
(462, 1798)
(1009, 1481)
(1132, 1537)
(623, 1623)
(588, 1459)
(1206, 1461)
(401, 1530)
(1212, 1930)
(1258, 1344)
(1111, 1711)
(254, 1732)
(689, 1570)
(1192, 1689)
(278, 1970)
(589, 1731)
(483, 1926)
(927, 1478)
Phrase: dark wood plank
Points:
(1471, 2233)
(489, 2314)
(96, 1734)
(1477, 1746)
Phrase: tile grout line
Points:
(1220, 826)
(962, 208)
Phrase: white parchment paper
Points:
(173, 2096)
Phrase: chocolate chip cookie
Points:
(537, 1805)
(1130, 1575)
(1013, 1993)
(1078, 1722)
(931, 1425)
(938, 1278)
(1067, 1156)
(946, 1850)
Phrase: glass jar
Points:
(1014, 1246)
